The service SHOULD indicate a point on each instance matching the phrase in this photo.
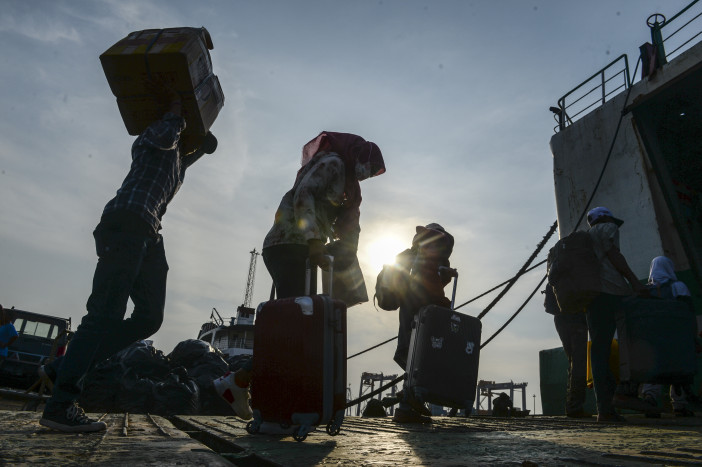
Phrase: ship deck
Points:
(142, 439)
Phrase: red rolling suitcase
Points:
(299, 364)
(442, 365)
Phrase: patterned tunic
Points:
(309, 209)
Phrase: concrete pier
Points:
(142, 439)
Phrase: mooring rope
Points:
(376, 392)
(522, 270)
(499, 285)
(515, 313)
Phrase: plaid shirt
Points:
(156, 172)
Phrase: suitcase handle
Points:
(452, 273)
(308, 274)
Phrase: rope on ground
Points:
(376, 392)
(521, 271)
(515, 313)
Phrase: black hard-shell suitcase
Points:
(442, 365)
(299, 364)
(657, 341)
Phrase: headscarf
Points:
(352, 149)
(662, 271)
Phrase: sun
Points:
(382, 251)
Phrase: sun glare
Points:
(383, 251)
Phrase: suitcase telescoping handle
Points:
(308, 275)
(452, 273)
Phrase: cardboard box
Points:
(200, 109)
(179, 57)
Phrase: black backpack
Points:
(392, 282)
(574, 272)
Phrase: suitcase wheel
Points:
(333, 429)
(300, 434)
(252, 427)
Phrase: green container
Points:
(553, 374)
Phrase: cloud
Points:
(36, 26)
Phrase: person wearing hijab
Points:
(663, 283)
(323, 204)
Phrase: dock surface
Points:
(143, 439)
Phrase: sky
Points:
(455, 93)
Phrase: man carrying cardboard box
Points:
(131, 260)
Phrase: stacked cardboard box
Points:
(177, 56)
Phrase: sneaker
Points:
(409, 416)
(418, 406)
(621, 401)
(236, 396)
(69, 418)
(610, 418)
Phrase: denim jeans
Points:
(601, 322)
(572, 329)
(130, 265)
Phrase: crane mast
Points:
(248, 295)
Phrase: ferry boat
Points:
(234, 337)
(635, 148)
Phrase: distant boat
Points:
(233, 338)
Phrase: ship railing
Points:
(614, 77)
(664, 35)
(592, 92)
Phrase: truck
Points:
(40, 337)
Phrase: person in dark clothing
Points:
(131, 261)
(572, 330)
(502, 406)
(427, 264)
(617, 281)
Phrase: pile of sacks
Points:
(141, 379)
